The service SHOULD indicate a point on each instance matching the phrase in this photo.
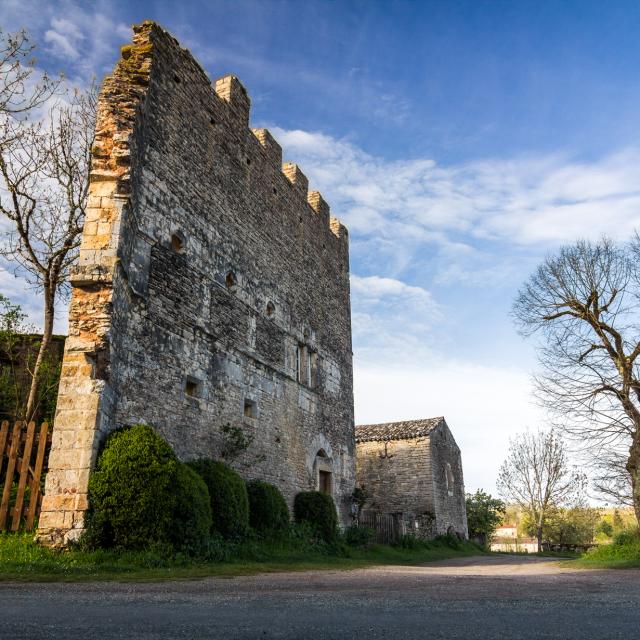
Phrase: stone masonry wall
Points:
(396, 475)
(449, 498)
(210, 281)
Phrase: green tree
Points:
(618, 522)
(573, 525)
(484, 514)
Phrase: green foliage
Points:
(605, 527)
(358, 536)
(268, 511)
(18, 352)
(235, 442)
(132, 492)
(484, 514)
(624, 552)
(22, 559)
(229, 500)
(572, 526)
(618, 522)
(192, 511)
(319, 511)
(627, 537)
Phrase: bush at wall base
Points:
(229, 500)
(134, 492)
(268, 511)
(318, 510)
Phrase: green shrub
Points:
(358, 536)
(192, 511)
(319, 511)
(627, 537)
(229, 500)
(268, 511)
(132, 491)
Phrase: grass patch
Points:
(622, 553)
(21, 559)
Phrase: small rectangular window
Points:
(250, 408)
(192, 387)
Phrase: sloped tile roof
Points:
(397, 430)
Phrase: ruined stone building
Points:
(413, 469)
(212, 288)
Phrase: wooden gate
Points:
(23, 454)
(389, 527)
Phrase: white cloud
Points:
(374, 289)
(526, 201)
(82, 39)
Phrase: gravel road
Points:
(489, 597)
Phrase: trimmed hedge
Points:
(228, 494)
(268, 511)
(317, 509)
(192, 511)
(132, 491)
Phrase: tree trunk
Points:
(49, 306)
(539, 536)
(633, 467)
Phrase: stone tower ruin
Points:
(212, 289)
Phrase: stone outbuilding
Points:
(413, 469)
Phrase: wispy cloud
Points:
(399, 207)
(393, 322)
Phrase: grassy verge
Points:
(23, 560)
(624, 554)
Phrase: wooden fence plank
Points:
(22, 482)
(4, 430)
(34, 501)
(13, 455)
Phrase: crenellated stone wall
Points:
(212, 288)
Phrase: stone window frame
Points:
(178, 241)
(306, 365)
(250, 409)
(449, 478)
(192, 387)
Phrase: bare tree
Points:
(19, 93)
(44, 167)
(584, 303)
(537, 477)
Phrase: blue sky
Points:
(459, 141)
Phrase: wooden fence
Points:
(23, 453)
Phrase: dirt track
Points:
(485, 597)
